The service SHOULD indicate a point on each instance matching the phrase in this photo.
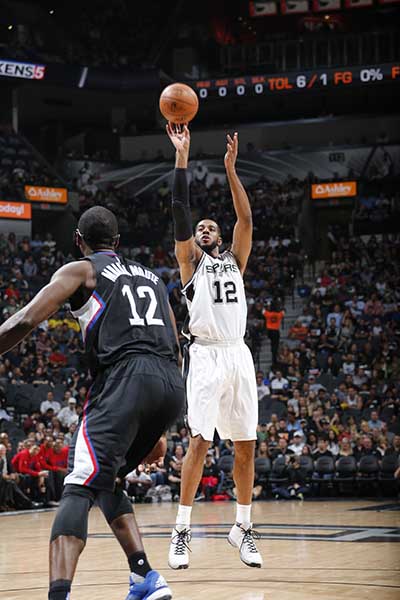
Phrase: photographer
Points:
(297, 486)
(138, 482)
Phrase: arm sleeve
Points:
(181, 214)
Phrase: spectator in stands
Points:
(210, 478)
(158, 473)
(11, 495)
(28, 463)
(174, 472)
(273, 319)
(298, 443)
(70, 433)
(282, 449)
(394, 448)
(333, 445)
(262, 432)
(298, 331)
(279, 383)
(374, 421)
(262, 387)
(366, 449)
(138, 482)
(68, 414)
(322, 449)
(262, 450)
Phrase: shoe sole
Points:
(255, 565)
(162, 594)
(178, 568)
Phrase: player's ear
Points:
(219, 241)
(116, 241)
(78, 239)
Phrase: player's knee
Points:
(114, 505)
(72, 514)
(199, 445)
(244, 451)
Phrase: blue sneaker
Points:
(154, 587)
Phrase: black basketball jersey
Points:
(127, 313)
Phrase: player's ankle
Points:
(183, 517)
(138, 564)
(59, 589)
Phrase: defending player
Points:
(220, 385)
(137, 393)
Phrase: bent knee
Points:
(199, 444)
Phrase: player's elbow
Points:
(246, 221)
(184, 253)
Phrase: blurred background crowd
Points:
(330, 390)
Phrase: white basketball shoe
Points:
(243, 538)
(178, 557)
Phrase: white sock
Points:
(243, 514)
(183, 516)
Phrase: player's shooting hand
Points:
(232, 146)
(180, 137)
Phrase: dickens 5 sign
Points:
(10, 68)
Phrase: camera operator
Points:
(297, 486)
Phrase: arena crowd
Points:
(333, 391)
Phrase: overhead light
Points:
(51, 12)
(10, 27)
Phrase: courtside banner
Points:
(22, 70)
(15, 210)
(334, 189)
(36, 193)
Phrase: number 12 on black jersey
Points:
(149, 318)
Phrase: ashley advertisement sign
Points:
(337, 189)
(36, 193)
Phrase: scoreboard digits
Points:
(266, 84)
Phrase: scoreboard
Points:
(301, 81)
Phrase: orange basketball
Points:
(179, 103)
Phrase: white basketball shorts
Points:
(221, 391)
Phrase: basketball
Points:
(179, 103)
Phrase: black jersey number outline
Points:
(149, 318)
(230, 292)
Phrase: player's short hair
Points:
(98, 227)
(208, 219)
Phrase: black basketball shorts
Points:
(128, 408)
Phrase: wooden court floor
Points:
(319, 550)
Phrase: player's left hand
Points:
(232, 146)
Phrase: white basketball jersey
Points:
(216, 299)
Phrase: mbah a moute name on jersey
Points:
(127, 312)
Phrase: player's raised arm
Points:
(50, 298)
(186, 250)
(243, 231)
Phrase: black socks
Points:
(60, 589)
(138, 564)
